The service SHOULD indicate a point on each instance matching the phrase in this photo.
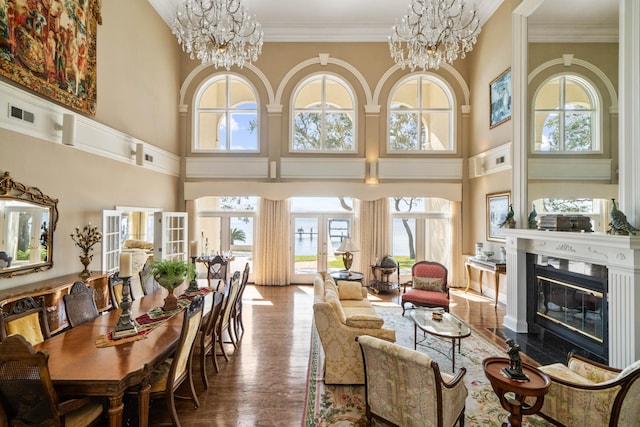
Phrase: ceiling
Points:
(371, 20)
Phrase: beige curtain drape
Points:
(456, 246)
(375, 223)
(272, 262)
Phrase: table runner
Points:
(148, 321)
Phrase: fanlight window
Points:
(421, 116)
(226, 116)
(323, 116)
(566, 116)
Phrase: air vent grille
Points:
(20, 114)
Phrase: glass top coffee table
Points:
(450, 327)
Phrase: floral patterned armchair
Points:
(406, 388)
(588, 394)
(428, 286)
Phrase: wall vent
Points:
(148, 158)
(20, 114)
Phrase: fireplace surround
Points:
(620, 255)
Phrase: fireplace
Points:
(569, 299)
(621, 297)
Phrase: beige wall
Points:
(490, 57)
(137, 94)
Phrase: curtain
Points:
(456, 246)
(272, 262)
(375, 223)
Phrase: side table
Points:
(537, 387)
(351, 276)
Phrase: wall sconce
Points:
(372, 177)
(68, 129)
(138, 152)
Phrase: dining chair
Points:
(149, 284)
(236, 313)
(28, 395)
(27, 318)
(174, 371)
(217, 269)
(80, 304)
(207, 336)
(224, 324)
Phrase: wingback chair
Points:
(588, 394)
(428, 286)
(405, 387)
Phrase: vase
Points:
(170, 302)
(85, 260)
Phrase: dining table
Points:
(78, 367)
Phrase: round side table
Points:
(537, 387)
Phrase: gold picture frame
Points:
(497, 208)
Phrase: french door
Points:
(315, 238)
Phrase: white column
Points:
(629, 100)
(624, 317)
(516, 316)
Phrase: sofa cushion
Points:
(349, 290)
(364, 321)
(330, 284)
(433, 284)
(426, 297)
(332, 298)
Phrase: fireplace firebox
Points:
(569, 299)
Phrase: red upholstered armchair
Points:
(428, 286)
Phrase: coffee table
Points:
(450, 327)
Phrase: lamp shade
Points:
(347, 245)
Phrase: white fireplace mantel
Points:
(620, 254)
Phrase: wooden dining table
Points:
(79, 368)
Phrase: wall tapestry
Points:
(49, 47)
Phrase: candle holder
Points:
(193, 284)
(125, 326)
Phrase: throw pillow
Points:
(330, 284)
(333, 300)
(428, 284)
(349, 290)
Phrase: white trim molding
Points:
(495, 160)
(573, 169)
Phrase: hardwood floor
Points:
(263, 383)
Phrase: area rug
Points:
(341, 406)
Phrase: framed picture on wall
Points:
(500, 99)
(497, 208)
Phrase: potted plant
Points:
(170, 274)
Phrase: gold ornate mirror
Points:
(28, 218)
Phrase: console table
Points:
(53, 290)
(494, 267)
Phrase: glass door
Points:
(316, 237)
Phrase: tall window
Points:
(421, 116)
(566, 116)
(226, 116)
(323, 116)
(421, 230)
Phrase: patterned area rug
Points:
(338, 406)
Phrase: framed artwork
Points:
(500, 99)
(497, 208)
(49, 47)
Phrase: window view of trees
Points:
(566, 116)
(323, 116)
(420, 116)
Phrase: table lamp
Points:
(346, 248)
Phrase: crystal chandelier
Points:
(220, 32)
(433, 31)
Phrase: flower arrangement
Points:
(85, 239)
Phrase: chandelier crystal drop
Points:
(220, 32)
(434, 31)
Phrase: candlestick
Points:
(193, 284)
(125, 264)
(125, 326)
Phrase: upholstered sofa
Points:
(339, 321)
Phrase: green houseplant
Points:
(170, 274)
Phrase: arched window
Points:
(226, 116)
(421, 116)
(566, 116)
(323, 116)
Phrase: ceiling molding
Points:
(577, 33)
